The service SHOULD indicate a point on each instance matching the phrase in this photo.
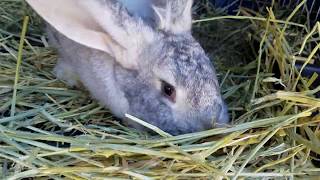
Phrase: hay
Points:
(49, 131)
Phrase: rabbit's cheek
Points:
(147, 106)
(181, 104)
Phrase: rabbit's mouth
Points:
(223, 118)
(194, 119)
(177, 123)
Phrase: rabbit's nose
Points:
(222, 117)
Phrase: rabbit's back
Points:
(93, 68)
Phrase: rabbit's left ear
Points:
(99, 24)
(174, 16)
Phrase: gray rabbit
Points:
(137, 59)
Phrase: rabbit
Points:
(154, 71)
(144, 9)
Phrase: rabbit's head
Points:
(176, 87)
(164, 74)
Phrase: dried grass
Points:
(49, 131)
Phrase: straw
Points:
(51, 131)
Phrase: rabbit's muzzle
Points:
(200, 119)
(222, 118)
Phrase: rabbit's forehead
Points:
(184, 62)
(187, 62)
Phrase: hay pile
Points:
(49, 131)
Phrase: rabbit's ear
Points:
(99, 24)
(174, 15)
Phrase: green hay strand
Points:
(19, 59)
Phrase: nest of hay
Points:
(49, 131)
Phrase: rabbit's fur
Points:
(125, 70)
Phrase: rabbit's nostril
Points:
(222, 117)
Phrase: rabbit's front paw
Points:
(65, 72)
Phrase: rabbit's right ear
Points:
(100, 24)
(173, 15)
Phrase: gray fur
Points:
(192, 71)
(173, 56)
(173, 15)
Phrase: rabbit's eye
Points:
(168, 91)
